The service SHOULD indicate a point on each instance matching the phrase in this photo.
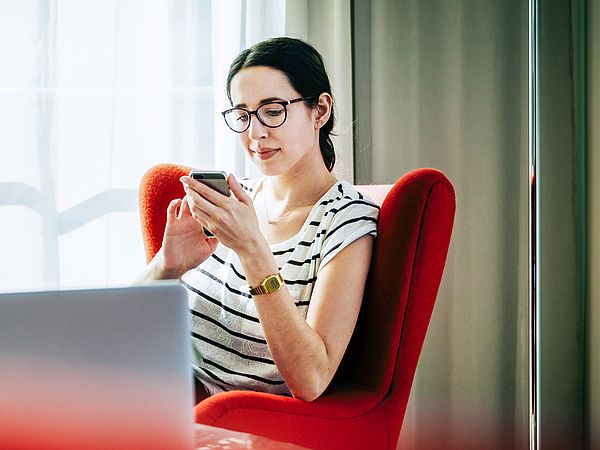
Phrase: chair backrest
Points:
(159, 185)
(415, 225)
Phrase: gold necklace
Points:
(284, 215)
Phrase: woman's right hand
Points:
(184, 244)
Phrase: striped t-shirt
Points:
(229, 346)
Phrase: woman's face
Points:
(275, 150)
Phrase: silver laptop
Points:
(98, 368)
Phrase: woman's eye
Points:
(274, 112)
(243, 118)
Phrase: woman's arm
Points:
(155, 270)
(308, 352)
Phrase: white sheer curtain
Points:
(93, 93)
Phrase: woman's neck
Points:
(300, 186)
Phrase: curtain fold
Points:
(92, 94)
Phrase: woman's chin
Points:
(267, 163)
(266, 170)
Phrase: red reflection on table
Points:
(209, 438)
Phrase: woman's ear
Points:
(323, 109)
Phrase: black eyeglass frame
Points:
(283, 103)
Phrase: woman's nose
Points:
(256, 130)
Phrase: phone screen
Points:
(216, 179)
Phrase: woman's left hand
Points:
(232, 220)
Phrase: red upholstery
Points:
(364, 406)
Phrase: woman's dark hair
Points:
(305, 70)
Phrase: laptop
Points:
(96, 369)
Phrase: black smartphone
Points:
(215, 179)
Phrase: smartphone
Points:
(215, 179)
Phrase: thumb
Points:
(173, 209)
(184, 209)
(238, 190)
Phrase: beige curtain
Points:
(444, 84)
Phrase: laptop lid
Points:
(96, 368)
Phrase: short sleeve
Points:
(352, 219)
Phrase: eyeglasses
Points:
(272, 115)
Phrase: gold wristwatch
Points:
(270, 284)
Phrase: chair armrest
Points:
(337, 420)
(334, 405)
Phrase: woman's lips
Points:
(266, 153)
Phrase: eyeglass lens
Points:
(270, 114)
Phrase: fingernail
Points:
(184, 180)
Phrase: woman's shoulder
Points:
(344, 202)
(346, 215)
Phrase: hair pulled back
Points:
(305, 70)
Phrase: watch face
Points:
(272, 283)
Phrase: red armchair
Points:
(365, 404)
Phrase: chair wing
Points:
(158, 187)
(415, 226)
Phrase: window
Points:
(92, 94)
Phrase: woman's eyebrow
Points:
(262, 102)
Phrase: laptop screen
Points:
(96, 368)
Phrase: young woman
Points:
(276, 292)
